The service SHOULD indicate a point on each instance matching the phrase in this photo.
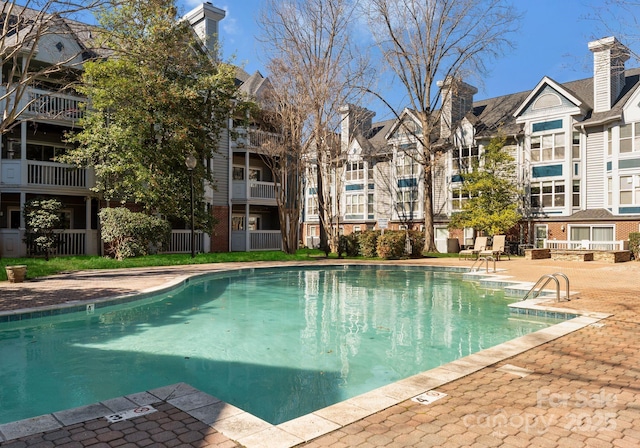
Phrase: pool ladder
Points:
(479, 263)
(539, 286)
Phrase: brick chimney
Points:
(609, 56)
(457, 100)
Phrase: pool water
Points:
(278, 343)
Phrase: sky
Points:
(552, 42)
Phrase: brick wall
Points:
(220, 236)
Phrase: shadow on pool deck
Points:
(582, 389)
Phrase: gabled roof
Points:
(546, 81)
(254, 84)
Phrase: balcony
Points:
(181, 242)
(256, 139)
(56, 174)
(263, 192)
(46, 104)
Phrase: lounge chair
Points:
(479, 245)
(496, 249)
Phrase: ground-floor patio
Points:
(580, 389)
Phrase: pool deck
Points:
(578, 386)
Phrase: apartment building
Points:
(243, 200)
(577, 147)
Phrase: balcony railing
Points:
(181, 242)
(55, 106)
(55, 174)
(265, 240)
(257, 190)
(584, 245)
(259, 138)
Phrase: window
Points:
(312, 206)
(355, 171)
(406, 201)
(610, 191)
(575, 146)
(630, 190)
(406, 166)
(312, 231)
(629, 138)
(370, 205)
(238, 173)
(255, 174)
(609, 141)
(356, 229)
(547, 147)
(547, 194)
(458, 198)
(591, 233)
(14, 218)
(355, 204)
(540, 233)
(576, 194)
(42, 152)
(11, 150)
(237, 223)
(463, 158)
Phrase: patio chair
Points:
(497, 249)
(479, 245)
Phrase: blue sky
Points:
(552, 42)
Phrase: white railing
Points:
(584, 245)
(48, 104)
(259, 138)
(56, 174)
(262, 190)
(72, 242)
(265, 240)
(181, 242)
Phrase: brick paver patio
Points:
(582, 389)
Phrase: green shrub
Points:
(634, 244)
(41, 218)
(130, 234)
(417, 242)
(368, 243)
(348, 244)
(391, 244)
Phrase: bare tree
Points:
(283, 112)
(313, 40)
(426, 41)
(619, 18)
(31, 56)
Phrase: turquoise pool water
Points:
(278, 343)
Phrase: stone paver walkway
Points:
(582, 389)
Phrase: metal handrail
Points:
(539, 286)
(486, 259)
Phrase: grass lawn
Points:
(38, 267)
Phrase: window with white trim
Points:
(463, 158)
(406, 165)
(575, 145)
(458, 198)
(354, 171)
(407, 201)
(312, 206)
(354, 204)
(548, 147)
(576, 194)
(548, 194)
(370, 202)
(630, 190)
(630, 138)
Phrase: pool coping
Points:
(254, 432)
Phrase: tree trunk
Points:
(429, 239)
(322, 215)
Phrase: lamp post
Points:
(191, 162)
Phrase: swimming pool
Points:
(277, 343)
